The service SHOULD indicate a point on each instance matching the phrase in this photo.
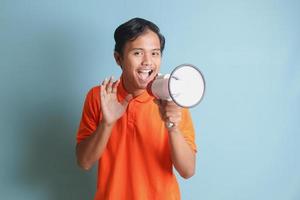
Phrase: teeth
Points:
(144, 70)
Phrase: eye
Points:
(156, 53)
(138, 53)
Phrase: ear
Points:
(118, 58)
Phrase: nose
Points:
(147, 60)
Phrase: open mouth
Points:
(144, 74)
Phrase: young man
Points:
(123, 126)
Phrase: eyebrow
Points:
(141, 49)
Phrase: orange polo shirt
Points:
(136, 164)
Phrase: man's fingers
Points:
(172, 108)
(172, 113)
(103, 88)
(109, 85)
(171, 105)
(114, 86)
(175, 120)
(104, 82)
(172, 116)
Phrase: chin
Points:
(143, 86)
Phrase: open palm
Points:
(112, 109)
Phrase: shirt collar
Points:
(122, 93)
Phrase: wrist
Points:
(106, 125)
(174, 130)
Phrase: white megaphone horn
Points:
(185, 86)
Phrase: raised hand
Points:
(111, 108)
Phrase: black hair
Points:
(132, 29)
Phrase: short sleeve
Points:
(187, 129)
(90, 114)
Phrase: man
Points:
(123, 126)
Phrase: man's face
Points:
(140, 62)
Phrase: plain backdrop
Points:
(248, 129)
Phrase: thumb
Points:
(126, 101)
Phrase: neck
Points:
(137, 93)
(133, 92)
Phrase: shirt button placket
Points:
(130, 112)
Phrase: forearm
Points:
(183, 156)
(91, 149)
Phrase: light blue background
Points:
(52, 52)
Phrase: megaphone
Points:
(185, 86)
